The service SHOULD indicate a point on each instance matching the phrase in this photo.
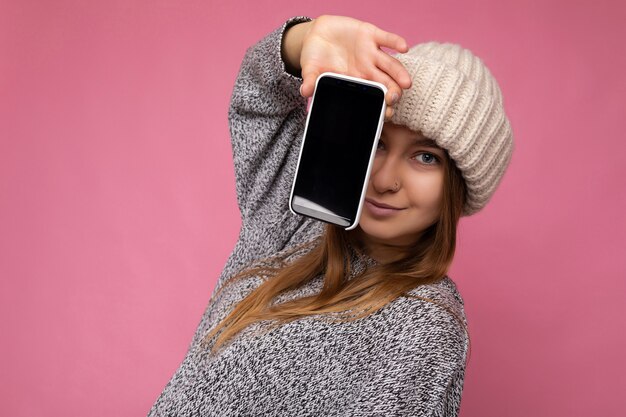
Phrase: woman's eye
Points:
(427, 158)
(380, 145)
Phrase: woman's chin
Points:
(396, 233)
(382, 233)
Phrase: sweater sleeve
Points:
(422, 370)
(266, 120)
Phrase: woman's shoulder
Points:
(444, 290)
(439, 302)
(428, 321)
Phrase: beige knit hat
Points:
(455, 101)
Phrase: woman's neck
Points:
(382, 252)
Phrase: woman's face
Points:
(405, 188)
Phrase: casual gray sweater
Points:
(407, 359)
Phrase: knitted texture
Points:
(407, 359)
(455, 101)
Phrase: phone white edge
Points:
(381, 120)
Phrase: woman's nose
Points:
(384, 174)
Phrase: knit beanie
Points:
(455, 101)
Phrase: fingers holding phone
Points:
(351, 47)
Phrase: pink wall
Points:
(117, 204)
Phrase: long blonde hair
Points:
(425, 263)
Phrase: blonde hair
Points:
(426, 262)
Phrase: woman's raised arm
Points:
(268, 108)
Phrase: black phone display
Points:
(342, 130)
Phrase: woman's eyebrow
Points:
(426, 142)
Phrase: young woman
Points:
(308, 319)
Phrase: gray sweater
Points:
(408, 359)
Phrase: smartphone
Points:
(341, 134)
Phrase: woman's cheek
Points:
(425, 189)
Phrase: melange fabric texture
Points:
(407, 359)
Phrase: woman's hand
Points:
(346, 46)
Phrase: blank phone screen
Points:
(337, 146)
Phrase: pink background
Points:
(117, 202)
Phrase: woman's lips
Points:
(380, 209)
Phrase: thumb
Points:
(308, 83)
